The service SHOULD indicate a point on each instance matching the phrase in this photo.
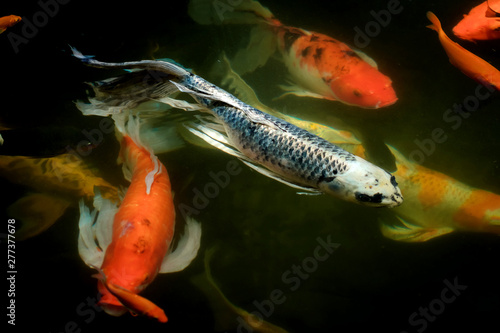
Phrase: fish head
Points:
(366, 184)
(368, 89)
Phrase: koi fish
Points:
(267, 144)
(436, 204)
(54, 184)
(8, 21)
(131, 244)
(480, 24)
(226, 312)
(320, 66)
(467, 62)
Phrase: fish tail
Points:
(436, 24)
(223, 12)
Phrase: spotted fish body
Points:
(332, 70)
(270, 145)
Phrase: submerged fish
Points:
(470, 64)
(226, 313)
(8, 21)
(131, 244)
(478, 25)
(268, 144)
(54, 184)
(436, 204)
(320, 66)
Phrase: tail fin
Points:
(223, 12)
(436, 24)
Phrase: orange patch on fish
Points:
(433, 186)
(474, 212)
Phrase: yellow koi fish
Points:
(56, 183)
(437, 204)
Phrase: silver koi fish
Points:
(268, 144)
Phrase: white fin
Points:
(186, 250)
(300, 92)
(1, 140)
(366, 58)
(268, 173)
(221, 142)
(96, 230)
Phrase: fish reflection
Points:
(131, 244)
(320, 66)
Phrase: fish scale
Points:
(267, 144)
(297, 153)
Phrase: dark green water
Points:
(261, 228)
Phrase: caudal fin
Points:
(436, 24)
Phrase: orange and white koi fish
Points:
(436, 204)
(480, 24)
(131, 244)
(320, 66)
(8, 21)
(467, 62)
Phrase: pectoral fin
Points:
(186, 250)
(38, 212)
(408, 232)
(301, 92)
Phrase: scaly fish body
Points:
(290, 154)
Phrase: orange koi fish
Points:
(320, 66)
(8, 21)
(470, 64)
(436, 204)
(480, 24)
(131, 244)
